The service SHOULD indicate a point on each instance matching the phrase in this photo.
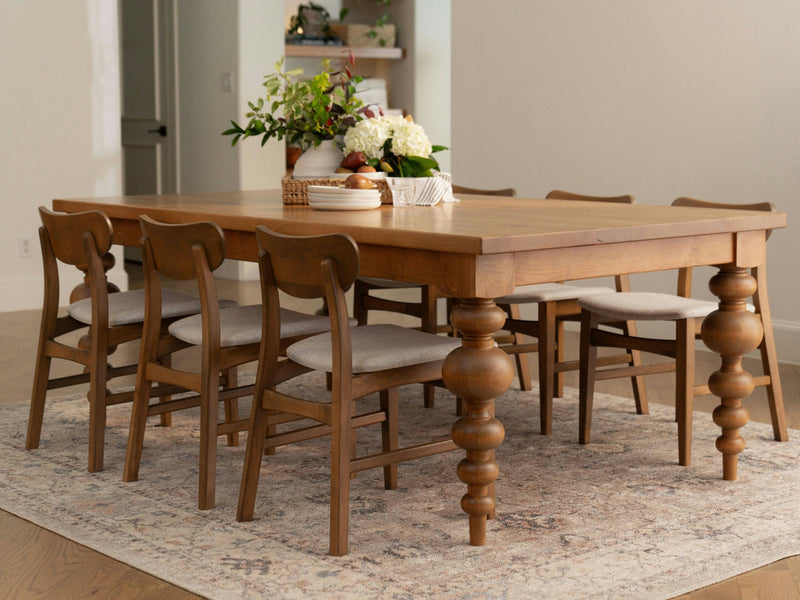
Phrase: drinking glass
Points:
(404, 192)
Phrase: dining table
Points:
(482, 247)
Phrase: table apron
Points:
(493, 275)
(743, 249)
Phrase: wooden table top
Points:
(476, 225)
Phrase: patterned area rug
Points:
(615, 519)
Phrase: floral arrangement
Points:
(393, 144)
(304, 111)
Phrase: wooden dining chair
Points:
(687, 313)
(426, 309)
(557, 303)
(361, 361)
(83, 240)
(228, 336)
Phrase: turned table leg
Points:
(82, 290)
(477, 372)
(731, 331)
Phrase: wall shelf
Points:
(301, 51)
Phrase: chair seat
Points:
(375, 348)
(125, 308)
(241, 325)
(388, 283)
(646, 306)
(549, 292)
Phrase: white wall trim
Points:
(787, 340)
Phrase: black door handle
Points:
(161, 130)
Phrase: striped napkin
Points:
(432, 190)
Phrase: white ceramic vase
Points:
(318, 162)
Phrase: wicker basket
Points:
(295, 191)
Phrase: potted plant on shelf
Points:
(381, 33)
(312, 22)
(307, 112)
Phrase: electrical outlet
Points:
(227, 82)
(25, 249)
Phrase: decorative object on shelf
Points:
(365, 36)
(380, 34)
(393, 144)
(304, 111)
(311, 21)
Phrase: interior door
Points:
(149, 130)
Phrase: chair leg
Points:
(390, 405)
(209, 401)
(769, 358)
(547, 357)
(259, 427)
(232, 404)
(360, 289)
(141, 400)
(97, 407)
(523, 366)
(353, 449)
(639, 389)
(340, 475)
(588, 364)
(38, 395)
(166, 418)
(461, 409)
(558, 381)
(428, 305)
(684, 387)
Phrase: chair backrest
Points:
(562, 195)
(65, 234)
(508, 192)
(685, 274)
(174, 246)
(305, 267)
(622, 281)
(296, 261)
(693, 202)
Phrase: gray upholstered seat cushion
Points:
(241, 325)
(388, 283)
(375, 348)
(128, 307)
(549, 292)
(646, 306)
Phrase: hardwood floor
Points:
(36, 564)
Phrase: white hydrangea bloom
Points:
(366, 136)
(369, 135)
(409, 139)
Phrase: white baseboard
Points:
(787, 341)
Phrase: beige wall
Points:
(60, 111)
(60, 125)
(657, 99)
